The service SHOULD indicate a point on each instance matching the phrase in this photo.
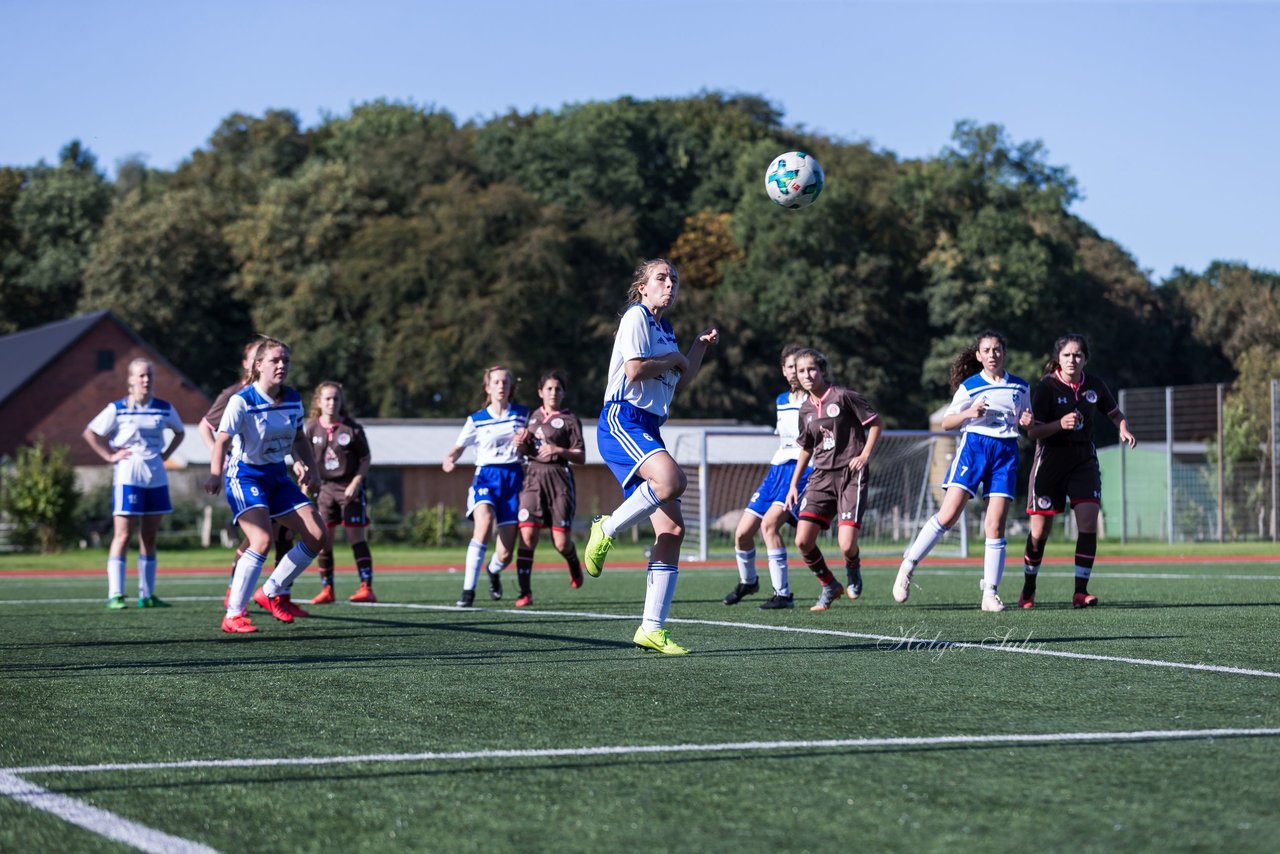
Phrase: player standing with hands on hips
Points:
(988, 408)
(838, 431)
(645, 371)
(1065, 403)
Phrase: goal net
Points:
(725, 465)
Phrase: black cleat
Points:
(737, 594)
(495, 585)
(468, 599)
(854, 588)
(777, 601)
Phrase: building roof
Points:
(24, 354)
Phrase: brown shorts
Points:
(1062, 474)
(336, 509)
(833, 492)
(547, 499)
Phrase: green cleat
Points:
(658, 640)
(598, 545)
(115, 603)
(152, 602)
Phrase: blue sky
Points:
(1166, 113)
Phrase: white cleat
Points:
(991, 602)
(902, 584)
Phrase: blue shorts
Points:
(499, 487)
(140, 500)
(628, 436)
(268, 486)
(774, 488)
(986, 462)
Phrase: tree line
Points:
(401, 252)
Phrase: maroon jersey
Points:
(834, 427)
(341, 451)
(561, 428)
(1053, 398)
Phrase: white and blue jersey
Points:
(499, 470)
(777, 481)
(140, 484)
(634, 410)
(262, 432)
(987, 453)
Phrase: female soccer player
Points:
(341, 451)
(645, 371)
(494, 495)
(551, 441)
(262, 423)
(766, 511)
(1065, 403)
(838, 431)
(988, 407)
(129, 434)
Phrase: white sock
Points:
(925, 540)
(248, 568)
(659, 591)
(497, 564)
(638, 505)
(746, 566)
(475, 560)
(993, 564)
(293, 564)
(778, 571)
(146, 576)
(115, 576)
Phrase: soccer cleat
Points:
(115, 603)
(468, 599)
(495, 585)
(525, 600)
(777, 602)
(742, 590)
(286, 602)
(658, 640)
(238, 625)
(854, 588)
(830, 593)
(271, 604)
(991, 602)
(1026, 600)
(902, 584)
(598, 545)
(325, 597)
(152, 602)
(1084, 600)
(364, 594)
(575, 578)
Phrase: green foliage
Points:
(435, 526)
(38, 495)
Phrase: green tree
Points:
(38, 494)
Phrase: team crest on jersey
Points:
(523, 514)
(557, 423)
(832, 410)
(344, 439)
(1043, 503)
(1091, 396)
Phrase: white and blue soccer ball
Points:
(794, 179)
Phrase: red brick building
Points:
(55, 378)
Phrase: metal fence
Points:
(1180, 483)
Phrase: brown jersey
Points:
(561, 428)
(834, 427)
(341, 452)
(214, 415)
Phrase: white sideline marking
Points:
(640, 749)
(912, 643)
(95, 820)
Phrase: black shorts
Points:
(547, 499)
(336, 509)
(1060, 473)
(833, 492)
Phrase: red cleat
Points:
(238, 625)
(575, 579)
(525, 601)
(273, 606)
(326, 596)
(1084, 600)
(1025, 601)
(364, 594)
(286, 602)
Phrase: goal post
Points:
(724, 465)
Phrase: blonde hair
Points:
(151, 367)
(315, 399)
(511, 380)
(261, 353)
(641, 275)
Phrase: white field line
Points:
(1049, 738)
(99, 821)
(912, 642)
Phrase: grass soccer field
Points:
(1151, 722)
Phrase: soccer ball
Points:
(794, 179)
